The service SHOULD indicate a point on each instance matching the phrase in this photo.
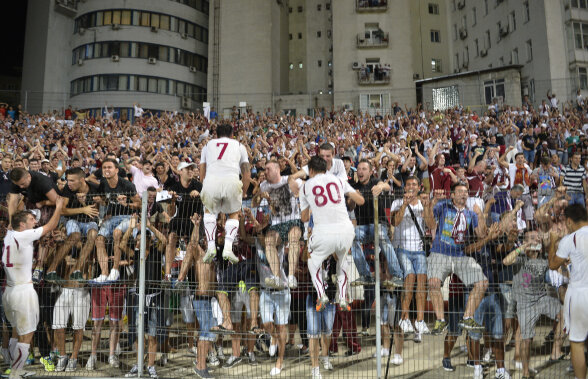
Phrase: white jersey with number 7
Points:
(223, 157)
(325, 195)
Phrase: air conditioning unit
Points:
(483, 52)
(355, 65)
(186, 102)
(416, 76)
(115, 26)
(463, 33)
(152, 61)
(154, 29)
(461, 4)
(184, 35)
(81, 31)
(504, 31)
(80, 62)
(115, 58)
(192, 69)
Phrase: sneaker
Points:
(77, 275)
(440, 327)
(133, 373)
(228, 255)
(273, 282)
(292, 282)
(470, 324)
(418, 338)
(72, 365)
(395, 282)
(344, 306)
(406, 326)
(52, 277)
(37, 276)
(316, 373)
(304, 350)
(232, 361)
(470, 363)
(397, 360)
(203, 374)
(152, 372)
(478, 372)
(163, 359)
(220, 354)
(502, 375)
(487, 356)
(91, 364)
(251, 359)
(47, 362)
(365, 332)
(321, 303)
(327, 365)
(213, 360)
(31, 359)
(113, 361)
(421, 327)
(447, 365)
(210, 254)
(385, 353)
(275, 371)
(518, 365)
(61, 363)
(363, 281)
(113, 276)
(102, 279)
(272, 350)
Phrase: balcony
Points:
(371, 5)
(379, 75)
(377, 39)
(68, 8)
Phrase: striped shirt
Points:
(573, 179)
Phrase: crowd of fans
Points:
(478, 198)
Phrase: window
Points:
(485, 7)
(580, 4)
(329, 33)
(155, 20)
(456, 62)
(328, 6)
(436, 65)
(300, 9)
(526, 11)
(433, 8)
(290, 10)
(583, 76)
(466, 56)
(318, 7)
(164, 22)
(581, 35)
(435, 36)
(125, 18)
(318, 34)
(329, 63)
(474, 16)
(290, 36)
(488, 44)
(477, 46)
(320, 63)
(116, 17)
(514, 57)
(299, 35)
(513, 21)
(529, 45)
(145, 18)
(501, 61)
(464, 21)
(494, 89)
(453, 7)
(499, 26)
(300, 65)
(445, 97)
(291, 66)
(454, 32)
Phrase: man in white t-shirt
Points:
(223, 159)
(138, 110)
(142, 175)
(332, 232)
(20, 300)
(335, 166)
(574, 248)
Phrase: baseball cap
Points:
(183, 165)
(45, 161)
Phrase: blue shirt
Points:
(445, 213)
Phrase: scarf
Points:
(459, 227)
(522, 176)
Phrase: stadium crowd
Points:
(480, 198)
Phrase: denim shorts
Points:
(319, 323)
(278, 303)
(489, 314)
(74, 226)
(390, 315)
(203, 310)
(412, 262)
(156, 325)
(456, 308)
(508, 303)
(121, 223)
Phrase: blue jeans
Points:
(489, 314)
(203, 310)
(529, 155)
(365, 234)
(576, 198)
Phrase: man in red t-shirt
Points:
(440, 177)
(476, 177)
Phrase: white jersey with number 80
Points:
(223, 157)
(325, 195)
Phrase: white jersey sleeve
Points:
(575, 247)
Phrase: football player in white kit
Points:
(573, 249)
(20, 299)
(222, 160)
(333, 232)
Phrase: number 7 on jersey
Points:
(224, 147)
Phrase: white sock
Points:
(12, 347)
(210, 228)
(22, 353)
(231, 229)
(500, 370)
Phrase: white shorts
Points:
(240, 300)
(222, 195)
(328, 239)
(74, 302)
(21, 305)
(576, 314)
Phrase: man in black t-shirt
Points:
(121, 200)
(82, 220)
(364, 231)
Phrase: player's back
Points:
(325, 194)
(223, 157)
(17, 255)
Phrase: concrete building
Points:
(546, 37)
(91, 53)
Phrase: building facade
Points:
(89, 54)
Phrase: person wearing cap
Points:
(142, 174)
(47, 170)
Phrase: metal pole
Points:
(378, 305)
(141, 318)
